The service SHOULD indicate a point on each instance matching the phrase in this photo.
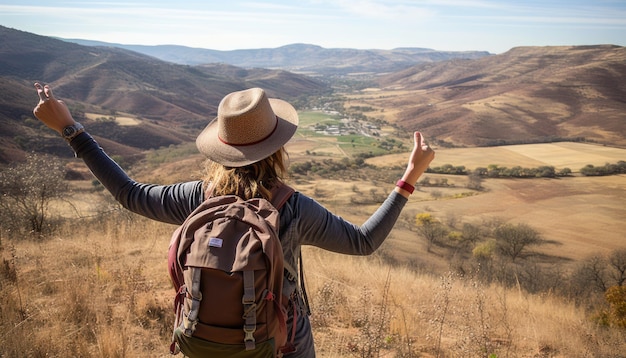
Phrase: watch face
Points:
(68, 131)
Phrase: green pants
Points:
(193, 347)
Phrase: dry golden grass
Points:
(101, 289)
(446, 316)
(96, 289)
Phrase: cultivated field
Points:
(584, 214)
(560, 155)
(125, 120)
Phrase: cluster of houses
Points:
(348, 126)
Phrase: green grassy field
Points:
(351, 141)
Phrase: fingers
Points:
(419, 140)
(40, 92)
(44, 92)
(48, 92)
(422, 149)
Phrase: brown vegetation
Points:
(100, 289)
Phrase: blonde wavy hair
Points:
(250, 181)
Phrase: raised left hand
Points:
(51, 111)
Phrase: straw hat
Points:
(248, 127)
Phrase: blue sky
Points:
(455, 25)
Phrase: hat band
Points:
(251, 143)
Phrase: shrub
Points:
(27, 190)
(616, 297)
(430, 229)
(607, 169)
(485, 250)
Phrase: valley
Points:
(584, 215)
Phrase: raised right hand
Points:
(420, 158)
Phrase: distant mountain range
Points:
(301, 58)
(524, 95)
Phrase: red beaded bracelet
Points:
(406, 186)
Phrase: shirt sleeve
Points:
(319, 227)
(165, 203)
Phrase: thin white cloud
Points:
(439, 24)
(376, 9)
(153, 16)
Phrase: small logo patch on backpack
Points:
(216, 242)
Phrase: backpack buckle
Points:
(249, 337)
(189, 325)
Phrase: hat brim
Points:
(213, 148)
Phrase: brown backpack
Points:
(226, 263)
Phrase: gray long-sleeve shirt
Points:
(303, 221)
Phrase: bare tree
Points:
(471, 234)
(590, 276)
(26, 191)
(597, 274)
(617, 263)
(513, 240)
(475, 180)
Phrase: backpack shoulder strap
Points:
(280, 195)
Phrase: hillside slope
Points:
(527, 94)
(178, 99)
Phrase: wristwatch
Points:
(72, 131)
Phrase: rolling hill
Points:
(528, 94)
(175, 100)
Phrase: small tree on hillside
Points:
(475, 180)
(597, 273)
(26, 191)
(513, 240)
(430, 229)
(590, 277)
(617, 267)
(601, 276)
